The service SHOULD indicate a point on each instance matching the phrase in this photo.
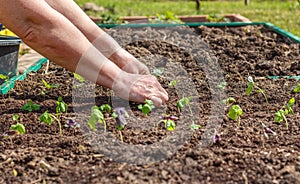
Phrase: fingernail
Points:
(156, 101)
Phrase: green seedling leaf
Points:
(158, 71)
(279, 116)
(228, 101)
(20, 128)
(79, 77)
(96, 117)
(147, 107)
(194, 126)
(46, 118)
(61, 106)
(105, 108)
(173, 83)
(222, 85)
(235, 112)
(15, 118)
(49, 86)
(296, 89)
(249, 88)
(183, 102)
(3, 77)
(30, 106)
(170, 125)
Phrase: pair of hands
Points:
(135, 82)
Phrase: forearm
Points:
(53, 36)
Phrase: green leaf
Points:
(15, 117)
(297, 89)
(96, 116)
(3, 77)
(30, 106)
(61, 105)
(49, 86)
(194, 126)
(105, 108)
(46, 118)
(183, 102)
(79, 77)
(146, 109)
(279, 116)
(234, 112)
(20, 128)
(173, 83)
(222, 85)
(249, 88)
(291, 102)
(228, 100)
(170, 125)
(158, 71)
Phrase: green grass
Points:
(284, 14)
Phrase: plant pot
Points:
(9, 50)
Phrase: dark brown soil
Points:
(199, 59)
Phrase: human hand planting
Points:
(139, 88)
(129, 63)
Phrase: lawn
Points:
(284, 14)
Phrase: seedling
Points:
(268, 130)
(48, 119)
(169, 121)
(280, 115)
(30, 106)
(235, 111)
(147, 107)
(173, 83)
(96, 117)
(19, 128)
(296, 89)
(222, 85)
(157, 71)
(61, 106)
(105, 108)
(79, 78)
(47, 86)
(185, 101)
(252, 85)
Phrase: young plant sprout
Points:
(252, 85)
(48, 86)
(168, 120)
(185, 101)
(222, 85)
(105, 108)
(296, 89)
(79, 78)
(280, 115)
(96, 117)
(30, 106)
(19, 128)
(61, 107)
(147, 107)
(173, 83)
(235, 111)
(157, 71)
(48, 119)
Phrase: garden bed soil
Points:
(208, 56)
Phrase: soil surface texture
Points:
(209, 64)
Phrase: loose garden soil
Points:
(207, 57)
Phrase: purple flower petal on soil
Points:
(269, 130)
(71, 123)
(120, 110)
(217, 138)
(121, 121)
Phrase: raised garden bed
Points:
(183, 18)
(206, 56)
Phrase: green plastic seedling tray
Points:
(9, 84)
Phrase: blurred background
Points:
(282, 13)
